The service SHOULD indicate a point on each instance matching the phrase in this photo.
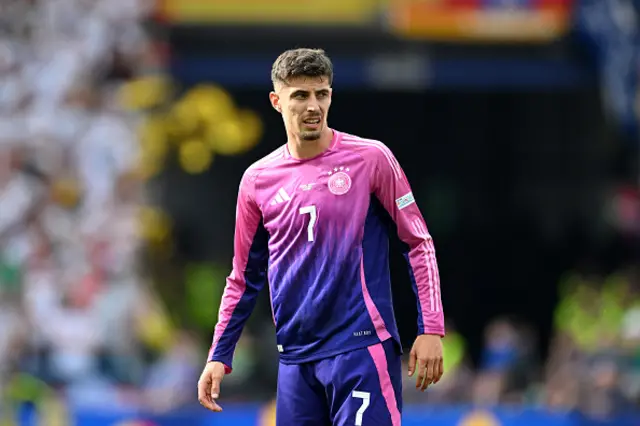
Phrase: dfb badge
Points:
(339, 183)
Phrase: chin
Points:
(310, 135)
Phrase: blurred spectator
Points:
(503, 359)
(173, 377)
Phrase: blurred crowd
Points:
(75, 311)
(593, 361)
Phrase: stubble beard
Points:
(312, 135)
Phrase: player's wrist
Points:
(227, 366)
(438, 333)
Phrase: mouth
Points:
(312, 123)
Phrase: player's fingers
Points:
(215, 393)
(421, 369)
(439, 371)
(420, 379)
(215, 407)
(204, 397)
(412, 363)
(428, 376)
(215, 387)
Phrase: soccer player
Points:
(313, 219)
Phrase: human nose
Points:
(312, 105)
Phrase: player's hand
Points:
(209, 385)
(426, 357)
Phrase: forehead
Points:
(308, 84)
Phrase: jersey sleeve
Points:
(247, 278)
(392, 189)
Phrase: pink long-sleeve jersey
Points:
(317, 230)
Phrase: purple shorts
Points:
(357, 388)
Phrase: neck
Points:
(302, 149)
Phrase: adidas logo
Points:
(281, 197)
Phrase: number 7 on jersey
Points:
(311, 211)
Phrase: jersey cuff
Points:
(227, 364)
(433, 331)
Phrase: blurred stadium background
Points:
(125, 126)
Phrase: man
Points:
(313, 217)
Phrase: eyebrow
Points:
(306, 92)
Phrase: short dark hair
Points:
(302, 63)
